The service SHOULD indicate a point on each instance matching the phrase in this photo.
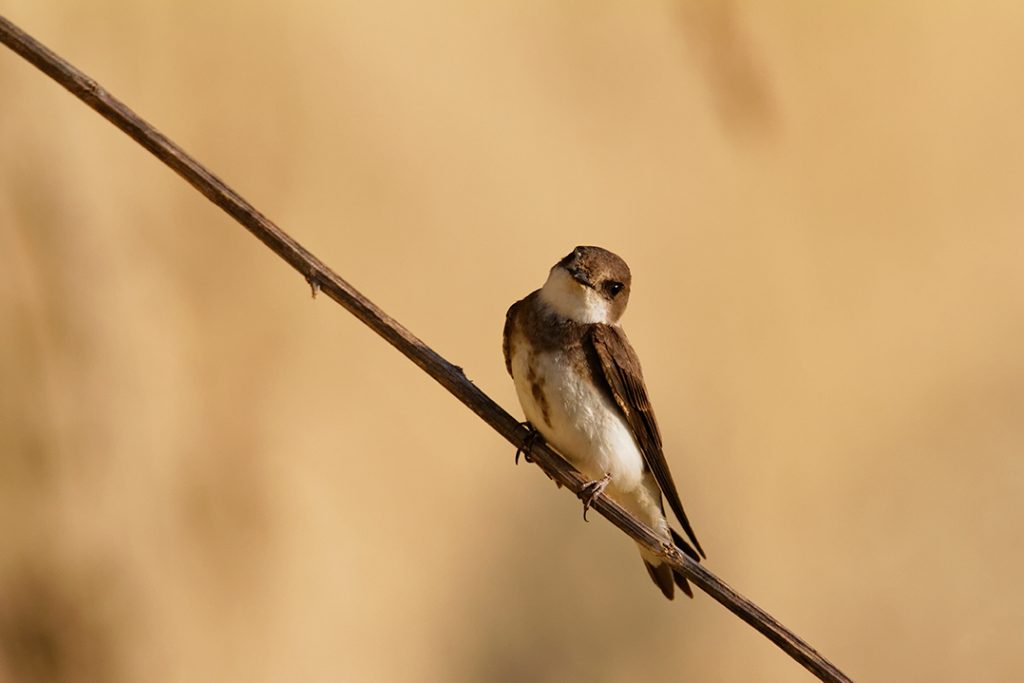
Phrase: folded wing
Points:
(620, 367)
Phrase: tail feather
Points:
(666, 578)
(678, 577)
(661, 574)
(684, 546)
(683, 584)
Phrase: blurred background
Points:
(206, 475)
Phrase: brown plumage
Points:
(621, 371)
(572, 322)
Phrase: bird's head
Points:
(590, 285)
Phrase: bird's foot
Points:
(591, 490)
(528, 443)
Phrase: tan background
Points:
(205, 475)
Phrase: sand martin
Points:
(580, 385)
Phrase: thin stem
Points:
(450, 376)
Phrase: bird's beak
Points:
(579, 277)
(569, 263)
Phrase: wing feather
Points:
(620, 367)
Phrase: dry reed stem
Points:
(451, 377)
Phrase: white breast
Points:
(580, 422)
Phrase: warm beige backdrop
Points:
(206, 476)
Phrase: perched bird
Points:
(580, 385)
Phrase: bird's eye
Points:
(613, 287)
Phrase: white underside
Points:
(588, 430)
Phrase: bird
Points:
(582, 390)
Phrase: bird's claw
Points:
(591, 490)
(528, 443)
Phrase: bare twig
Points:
(451, 377)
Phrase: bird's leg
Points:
(528, 443)
(591, 490)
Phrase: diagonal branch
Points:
(451, 377)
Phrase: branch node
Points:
(671, 551)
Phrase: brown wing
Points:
(621, 369)
(506, 341)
